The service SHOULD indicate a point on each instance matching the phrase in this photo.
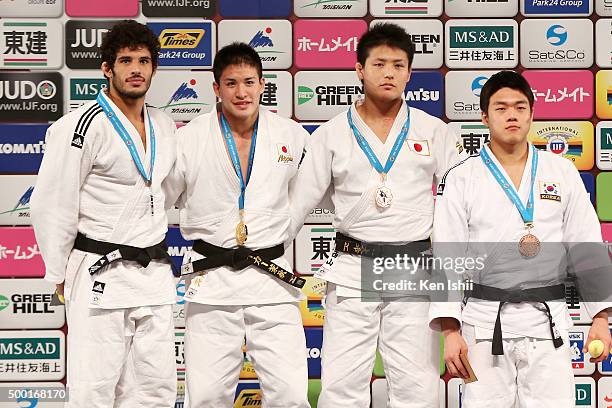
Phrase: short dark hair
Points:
(505, 79)
(236, 53)
(130, 34)
(387, 34)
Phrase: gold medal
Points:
(242, 231)
(529, 245)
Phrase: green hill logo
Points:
(304, 94)
(4, 302)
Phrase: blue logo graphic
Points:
(477, 84)
(184, 44)
(32, 402)
(21, 148)
(261, 40)
(314, 343)
(589, 183)
(556, 35)
(183, 92)
(25, 198)
(543, 7)
(259, 9)
(23, 202)
(425, 91)
(180, 292)
(177, 246)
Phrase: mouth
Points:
(513, 127)
(136, 80)
(242, 104)
(388, 86)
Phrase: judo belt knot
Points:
(240, 258)
(115, 252)
(540, 295)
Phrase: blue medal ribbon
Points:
(365, 147)
(233, 151)
(525, 211)
(125, 136)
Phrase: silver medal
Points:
(384, 197)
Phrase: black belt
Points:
(240, 258)
(540, 295)
(115, 252)
(350, 245)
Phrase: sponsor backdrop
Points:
(49, 65)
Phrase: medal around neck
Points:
(242, 231)
(529, 245)
(383, 195)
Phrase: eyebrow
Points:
(234, 79)
(387, 59)
(516, 102)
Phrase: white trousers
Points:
(409, 349)
(275, 343)
(119, 357)
(531, 373)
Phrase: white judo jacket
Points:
(333, 158)
(473, 209)
(206, 188)
(89, 183)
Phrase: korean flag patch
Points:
(550, 191)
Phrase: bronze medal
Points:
(529, 245)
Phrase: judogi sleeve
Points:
(174, 184)
(54, 204)
(450, 237)
(589, 257)
(447, 150)
(312, 180)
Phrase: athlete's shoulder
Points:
(160, 117)
(460, 171)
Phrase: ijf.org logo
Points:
(23, 204)
(556, 35)
(477, 84)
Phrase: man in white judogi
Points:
(233, 172)
(522, 211)
(98, 214)
(380, 159)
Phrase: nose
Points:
(241, 90)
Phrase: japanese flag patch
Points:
(420, 147)
(284, 154)
(550, 191)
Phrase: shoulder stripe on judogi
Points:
(78, 138)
